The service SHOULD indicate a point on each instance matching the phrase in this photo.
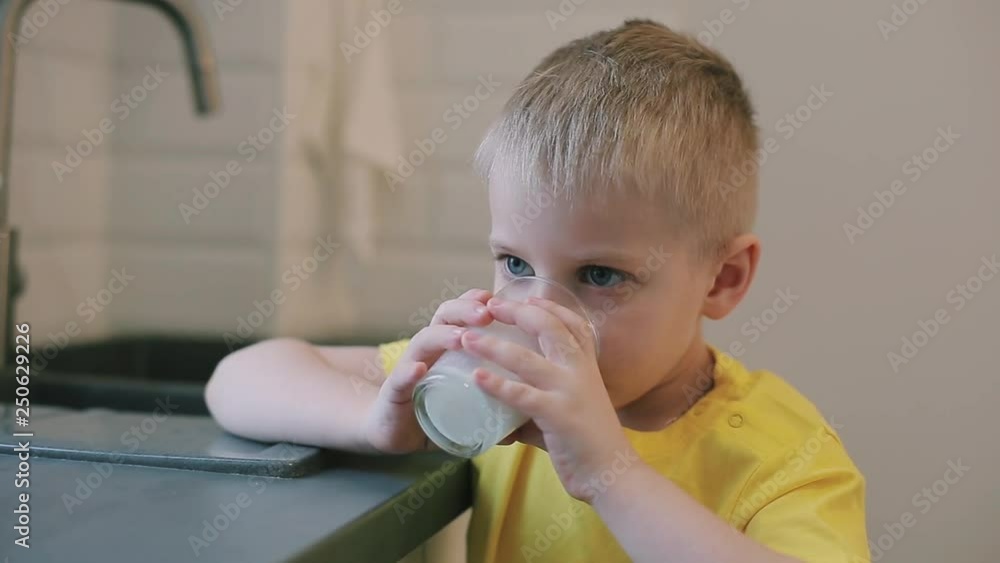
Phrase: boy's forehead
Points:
(520, 216)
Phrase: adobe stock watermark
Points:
(795, 461)
(213, 526)
(924, 500)
(364, 35)
(899, 16)
(249, 149)
(44, 11)
(958, 298)
(787, 126)
(374, 372)
(544, 539)
(225, 7)
(758, 325)
(132, 439)
(536, 201)
(713, 28)
(417, 496)
(913, 168)
(292, 279)
(454, 116)
(655, 259)
(122, 107)
(563, 12)
(755, 329)
(87, 310)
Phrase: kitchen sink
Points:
(124, 374)
(158, 358)
(131, 373)
(140, 401)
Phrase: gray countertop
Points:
(355, 508)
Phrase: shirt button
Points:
(736, 420)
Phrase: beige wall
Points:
(855, 300)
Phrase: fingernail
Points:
(458, 331)
(495, 302)
(480, 309)
(472, 336)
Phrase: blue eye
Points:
(517, 267)
(602, 276)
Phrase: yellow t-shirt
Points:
(753, 450)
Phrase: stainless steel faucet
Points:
(201, 66)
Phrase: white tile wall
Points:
(60, 277)
(62, 224)
(202, 274)
(77, 30)
(165, 121)
(148, 192)
(188, 288)
(249, 35)
(48, 211)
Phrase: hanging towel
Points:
(359, 128)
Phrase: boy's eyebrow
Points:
(612, 255)
(596, 255)
(497, 245)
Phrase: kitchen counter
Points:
(138, 497)
(354, 508)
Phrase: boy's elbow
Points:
(220, 387)
(227, 389)
(218, 383)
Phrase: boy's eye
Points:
(602, 276)
(518, 267)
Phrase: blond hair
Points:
(640, 108)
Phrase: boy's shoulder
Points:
(771, 415)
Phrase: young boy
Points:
(660, 447)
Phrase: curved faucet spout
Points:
(197, 49)
(204, 79)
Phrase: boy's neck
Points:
(688, 382)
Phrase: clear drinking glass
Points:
(452, 410)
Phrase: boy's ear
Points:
(733, 275)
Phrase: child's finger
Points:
(481, 295)
(554, 338)
(529, 365)
(515, 394)
(463, 311)
(399, 386)
(432, 341)
(576, 324)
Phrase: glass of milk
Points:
(452, 410)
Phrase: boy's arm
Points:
(338, 397)
(289, 390)
(813, 509)
(651, 517)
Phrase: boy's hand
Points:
(560, 389)
(391, 425)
